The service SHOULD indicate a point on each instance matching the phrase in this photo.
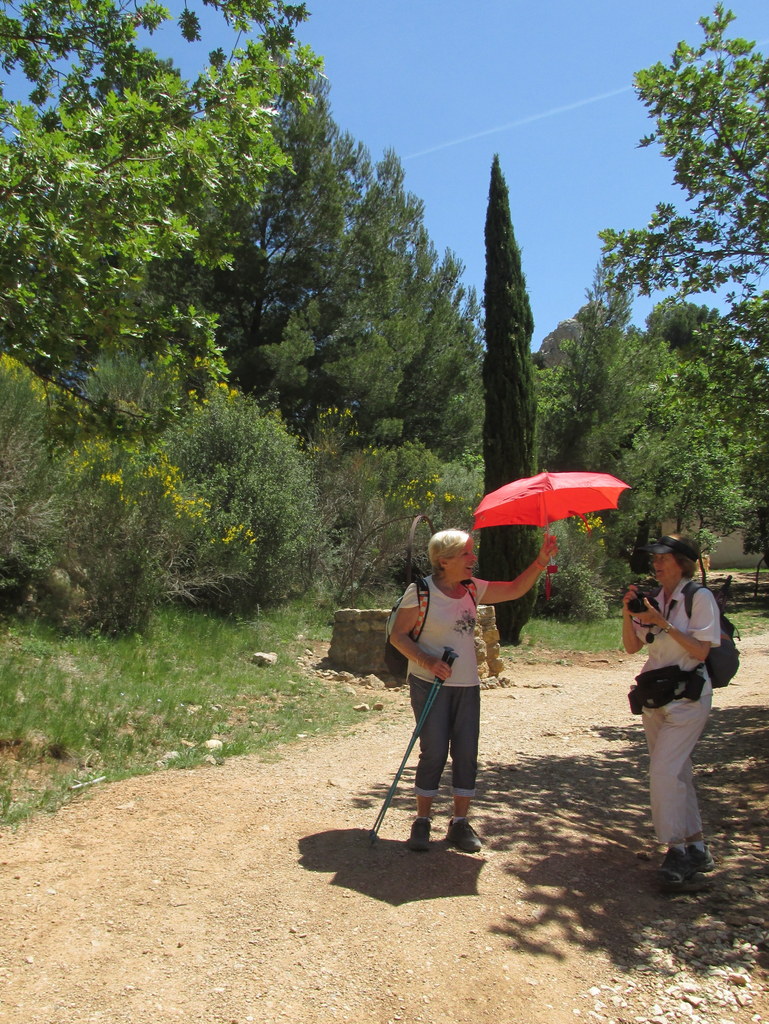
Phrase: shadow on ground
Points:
(577, 844)
(386, 870)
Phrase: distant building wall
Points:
(729, 554)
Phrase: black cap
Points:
(672, 545)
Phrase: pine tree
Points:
(510, 417)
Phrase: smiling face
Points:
(461, 565)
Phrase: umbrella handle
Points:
(550, 568)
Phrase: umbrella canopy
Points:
(542, 499)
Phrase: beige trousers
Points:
(671, 735)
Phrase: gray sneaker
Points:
(420, 835)
(701, 859)
(676, 867)
(462, 835)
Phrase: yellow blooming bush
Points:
(259, 498)
(141, 533)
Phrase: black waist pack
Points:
(659, 686)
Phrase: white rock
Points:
(263, 658)
(213, 744)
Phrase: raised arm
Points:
(512, 589)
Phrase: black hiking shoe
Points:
(701, 859)
(676, 867)
(462, 835)
(420, 835)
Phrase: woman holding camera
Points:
(674, 704)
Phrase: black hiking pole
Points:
(449, 656)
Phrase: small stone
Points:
(263, 658)
(361, 707)
(213, 744)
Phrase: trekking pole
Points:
(449, 656)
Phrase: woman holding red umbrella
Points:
(453, 722)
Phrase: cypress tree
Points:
(510, 403)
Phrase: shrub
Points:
(368, 498)
(29, 510)
(578, 588)
(111, 570)
(259, 494)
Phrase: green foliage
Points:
(256, 487)
(123, 508)
(116, 162)
(667, 411)
(710, 108)
(590, 403)
(579, 588)
(681, 325)
(30, 514)
(510, 402)
(336, 296)
(368, 499)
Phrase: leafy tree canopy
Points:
(711, 106)
(336, 296)
(115, 161)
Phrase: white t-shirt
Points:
(704, 624)
(450, 622)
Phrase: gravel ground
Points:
(250, 891)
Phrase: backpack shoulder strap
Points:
(472, 590)
(423, 599)
(690, 589)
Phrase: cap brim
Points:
(671, 547)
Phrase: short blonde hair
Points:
(446, 544)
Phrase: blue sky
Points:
(548, 86)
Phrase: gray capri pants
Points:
(452, 726)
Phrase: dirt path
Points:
(250, 892)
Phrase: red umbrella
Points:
(542, 499)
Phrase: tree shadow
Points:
(576, 834)
(386, 870)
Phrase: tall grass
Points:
(72, 710)
(553, 634)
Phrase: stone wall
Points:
(357, 641)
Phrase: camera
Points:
(636, 604)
